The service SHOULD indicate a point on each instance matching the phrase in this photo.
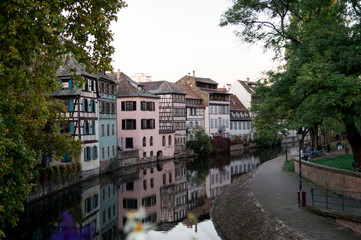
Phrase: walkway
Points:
(262, 204)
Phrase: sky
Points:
(167, 39)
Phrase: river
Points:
(169, 191)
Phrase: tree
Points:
(320, 42)
(202, 145)
(34, 36)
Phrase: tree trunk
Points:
(354, 138)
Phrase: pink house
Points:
(138, 123)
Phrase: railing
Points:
(337, 200)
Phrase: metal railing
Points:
(345, 201)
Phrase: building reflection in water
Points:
(167, 190)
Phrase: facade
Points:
(240, 120)
(172, 110)
(108, 210)
(82, 112)
(90, 206)
(244, 90)
(217, 109)
(194, 109)
(107, 120)
(138, 123)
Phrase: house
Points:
(244, 90)
(138, 123)
(108, 210)
(217, 109)
(107, 120)
(194, 109)
(240, 119)
(82, 112)
(172, 110)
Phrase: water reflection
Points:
(168, 191)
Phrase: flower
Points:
(134, 226)
(69, 231)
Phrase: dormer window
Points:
(67, 84)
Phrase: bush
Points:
(221, 144)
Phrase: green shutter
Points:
(61, 85)
(93, 127)
(70, 84)
(85, 154)
(71, 105)
(72, 130)
(91, 154)
(83, 105)
(66, 157)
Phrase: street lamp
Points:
(299, 137)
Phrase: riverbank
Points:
(262, 204)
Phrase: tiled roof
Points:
(70, 64)
(247, 86)
(124, 76)
(126, 89)
(205, 80)
(214, 91)
(235, 103)
(188, 90)
(162, 87)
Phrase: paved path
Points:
(262, 204)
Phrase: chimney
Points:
(118, 74)
(247, 79)
(194, 74)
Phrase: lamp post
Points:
(286, 150)
(299, 137)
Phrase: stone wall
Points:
(331, 178)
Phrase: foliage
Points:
(34, 35)
(221, 144)
(319, 82)
(341, 162)
(202, 145)
(199, 169)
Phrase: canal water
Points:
(169, 191)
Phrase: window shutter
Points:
(95, 152)
(85, 154)
(123, 123)
(70, 84)
(72, 128)
(123, 106)
(134, 106)
(94, 106)
(61, 85)
(83, 104)
(71, 105)
(93, 127)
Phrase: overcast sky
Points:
(168, 39)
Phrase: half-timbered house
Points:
(240, 119)
(82, 111)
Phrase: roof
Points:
(70, 67)
(162, 87)
(235, 103)
(123, 76)
(126, 89)
(205, 80)
(188, 90)
(102, 75)
(247, 86)
(209, 90)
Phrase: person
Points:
(328, 149)
(339, 146)
(304, 154)
(314, 152)
(320, 150)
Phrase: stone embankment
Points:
(238, 215)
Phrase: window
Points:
(113, 129)
(147, 123)
(145, 184)
(108, 130)
(151, 182)
(113, 150)
(130, 203)
(129, 124)
(130, 186)
(102, 130)
(144, 154)
(215, 123)
(151, 141)
(164, 178)
(144, 142)
(151, 153)
(169, 140)
(95, 150)
(85, 105)
(129, 106)
(170, 177)
(102, 87)
(163, 141)
(211, 123)
(108, 151)
(129, 143)
(149, 201)
(103, 153)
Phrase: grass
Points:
(288, 166)
(341, 162)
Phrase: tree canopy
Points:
(319, 41)
(34, 36)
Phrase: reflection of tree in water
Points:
(199, 168)
(266, 154)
